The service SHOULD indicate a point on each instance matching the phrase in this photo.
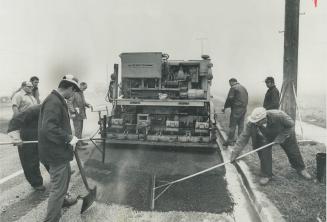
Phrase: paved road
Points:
(123, 185)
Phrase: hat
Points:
(257, 114)
(28, 84)
(71, 79)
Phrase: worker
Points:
(237, 100)
(35, 91)
(23, 126)
(266, 126)
(271, 100)
(23, 84)
(56, 145)
(77, 108)
(23, 99)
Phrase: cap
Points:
(257, 114)
(28, 84)
(71, 79)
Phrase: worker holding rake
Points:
(23, 126)
(266, 126)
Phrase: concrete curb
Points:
(265, 209)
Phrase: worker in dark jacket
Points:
(56, 144)
(23, 126)
(237, 100)
(35, 91)
(271, 126)
(271, 100)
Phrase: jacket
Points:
(26, 122)
(237, 97)
(36, 94)
(54, 130)
(279, 127)
(271, 100)
(77, 101)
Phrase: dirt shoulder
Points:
(297, 199)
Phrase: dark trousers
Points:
(291, 149)
(236, 120)
(78, 126)
(59, 179)
(29, 158)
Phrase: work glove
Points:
(15, 137)
(73, 142)
(281, 139)
(77, 110)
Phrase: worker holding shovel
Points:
(266, 126)
(56, 145)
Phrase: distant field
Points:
(312, 107)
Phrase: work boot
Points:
(69, 201)
(304, 174)
(39, 188)
(264, 180)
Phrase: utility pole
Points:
(290, 67)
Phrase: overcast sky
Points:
(50, 38)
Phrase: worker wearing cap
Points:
(23, 98)
(265, 126)
(237, 100)
(56, 144)
(271, 100)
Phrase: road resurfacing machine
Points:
(164, 105)
(161, 102)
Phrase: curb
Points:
(265, 209)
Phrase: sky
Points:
(85, 37)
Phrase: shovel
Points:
(90, 197)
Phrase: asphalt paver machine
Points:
(161, 102)
(166, 107)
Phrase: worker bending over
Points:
(266, 126)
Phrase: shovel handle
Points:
(81, 170)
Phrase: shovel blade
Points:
(89, 199)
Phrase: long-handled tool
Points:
(35, 141)
(90, 197)
(23, 142)
(167, 185)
